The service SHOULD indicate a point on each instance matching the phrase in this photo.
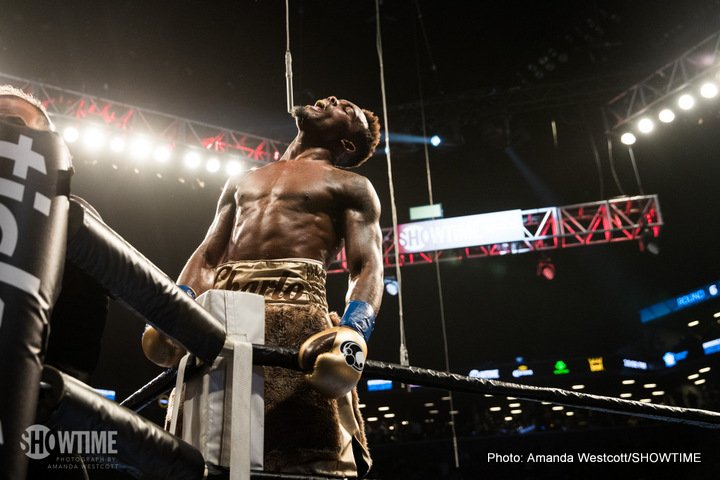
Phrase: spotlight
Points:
(628, 138)
(117, 144)
(212, 165)
(233, 167)
(93, 138)
(648, 242)
(192, 160)
(162, 153)
(140, 147)
(435, 140)
(546, 269)
(391, 286)
(709, 90)
(71, 134)
(686, 102)
(645, 125)
(666, 115)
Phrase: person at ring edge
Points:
(304, 206)
(78, 317)
(80, 312)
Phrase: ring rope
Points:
(424, 377)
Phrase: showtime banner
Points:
(461, 232)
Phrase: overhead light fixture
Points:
(693, 376)
(694, 323)
(666, 115)
(233, 167)
(435, 140)
(508, 419)
(71, 134)
(140, 147)
(383, 409)
(709, 90)
(578, 387)
(192, 159)
(495, 409)
(625, 395)
(628, 138)
(686, 101)
(699, 382)
(557, 408)
(94, 138)
(162, 153)
(649, 385)
(645, 125)
(516, 412)
(212, 165)
(391, 286)
(704, 370)
(569, 414)
(117, 144)
(545, 268)
(628, 382)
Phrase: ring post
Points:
(34, 189)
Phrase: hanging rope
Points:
(437, 254)
(404, 358)
(288, 61)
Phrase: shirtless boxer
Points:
(274, 231)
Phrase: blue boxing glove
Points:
(359, 316)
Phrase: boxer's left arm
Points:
(197, 276)
(336, 355)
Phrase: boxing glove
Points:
(334, 358)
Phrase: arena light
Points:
(646, 400)
(389, 415)
(699, 382)
(686, 101)
(117, 144)
(140, 147)
(383, 409)
(516, 412)
(162, 153)
(569, 414)
(578, 387)
(628, 382)
(212, 165)
(435, 140)
(625, 395)
(704, 370)
(628, 138)
(645, 125)
(233, 167)
(495, 409)
(508, 419)
(71, 134)
(514, 405)
(693, 376)
(709, 90)
(657, 393)
(558, 408)
(94, 138)
(192, 159)
(694, 323)
(666, 115)
(650, 385)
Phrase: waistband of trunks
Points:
(289, 281)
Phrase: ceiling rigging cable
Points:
(404, 358)
(288, 60)
(436, 254)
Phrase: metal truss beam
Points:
(550, 228)
(70, 105)
(699, 61)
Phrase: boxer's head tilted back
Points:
(23, 109)
(350, 132)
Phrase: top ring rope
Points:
(287, 358)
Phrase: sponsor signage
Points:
(489, 374)
(713, 346)
(596, 364)
(522, 371)
(460, 232)
(686, 300)
(634, 364)
(426, 211)
(560, 368)
(378, 385)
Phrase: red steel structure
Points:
(550, 228)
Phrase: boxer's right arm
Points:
(198, 274)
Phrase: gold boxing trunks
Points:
(290, 281)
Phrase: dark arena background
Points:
(532, 104)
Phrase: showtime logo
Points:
(38, 441)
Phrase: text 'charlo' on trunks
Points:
(288, 280)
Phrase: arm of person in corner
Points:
(363, 248)
(197, 275)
